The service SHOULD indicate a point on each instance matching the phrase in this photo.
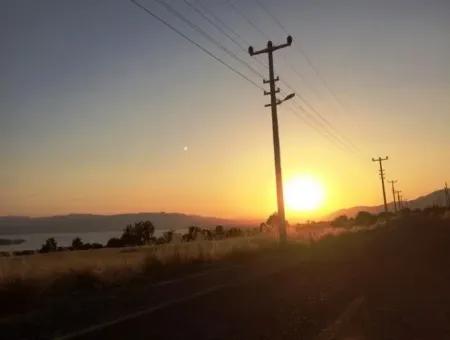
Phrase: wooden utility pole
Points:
(447, 196)
(382, 176)
(399, 199)
(276, 139)
(393, 193)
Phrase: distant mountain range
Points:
(78, 223)
(74, 223)
(435, 198)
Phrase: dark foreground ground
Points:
(389, 283)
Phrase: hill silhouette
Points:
(434, 198)
(73, 223)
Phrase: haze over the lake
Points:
(105, 110)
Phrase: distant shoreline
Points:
(8, 241)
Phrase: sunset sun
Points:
(303, 193)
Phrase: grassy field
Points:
(399, 270)
(108, 262)
(47, 283)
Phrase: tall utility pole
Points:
(399, 199)
(393, 193)
(380, 161)
(447, 196)
(276, 140)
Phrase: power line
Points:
(247, 19)
(220, 28)
(312, 123)
(318, 127)
(344, 139)
(319, 124)
(205, 50)
(301, 77)
(302, 52)
(207, 36)
(223, 24)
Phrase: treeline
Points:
(143, 233)
(365, 218)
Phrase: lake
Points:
(34, 241)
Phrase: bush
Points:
(138, 234)
(192, 234)
(365, 218)
(341, 221)
(96, 246)
(77, 243)
(49, 246)
(115, 243)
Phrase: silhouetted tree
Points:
(273, 220)
(77, 243)
(219, 231)
(365, 218)
(207, 234)
(96, 245)
(138, 234)
(168, 236)
(341, 221)
(233, 232)
(115, 243)
(192, 234)
(49, 245)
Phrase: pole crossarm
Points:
(270, 47)
(268, 81)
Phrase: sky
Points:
(103, 109)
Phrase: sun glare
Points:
(303, 193)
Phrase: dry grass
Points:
(113, 263)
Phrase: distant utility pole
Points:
(393, 193)
(274, 101)
(399, 199)
(447, 196)
(380, 161)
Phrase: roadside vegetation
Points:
(137, 254)
(36, 284)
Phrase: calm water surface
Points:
(34, 241)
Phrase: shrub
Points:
(138, 234)
(365, 218)
(341, 221)
(77, 243)
(49, 246)
(192, 234)
(219, 231)
(115, 243)
(96, 246)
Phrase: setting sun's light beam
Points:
(303, 194)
